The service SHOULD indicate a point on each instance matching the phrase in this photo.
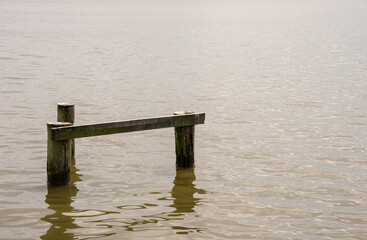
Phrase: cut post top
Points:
(65, 104)
(58, 124)
(183, 112)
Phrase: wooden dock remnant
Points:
(61, 135)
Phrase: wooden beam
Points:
(64, 133)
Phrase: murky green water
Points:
(282, 154)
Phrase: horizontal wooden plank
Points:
(63, 133)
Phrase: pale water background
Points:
(283, 152)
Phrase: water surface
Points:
(282, 154)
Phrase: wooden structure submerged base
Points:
(61, 135)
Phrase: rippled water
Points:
(283, 152)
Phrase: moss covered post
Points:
(66, 113)
(184, 141)
(58, 157)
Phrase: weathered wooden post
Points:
(184, 141)
(61, 135)
(58, 157)
(66, 113)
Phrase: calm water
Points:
(283, 152)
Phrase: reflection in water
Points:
(184, 203)
(59, 200)
(184, 200)
(183, 191)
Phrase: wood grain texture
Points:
(66, 113)
(58, 157)
(184, 143)
(70, 132)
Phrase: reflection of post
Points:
(59, 200)
(183, 191)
